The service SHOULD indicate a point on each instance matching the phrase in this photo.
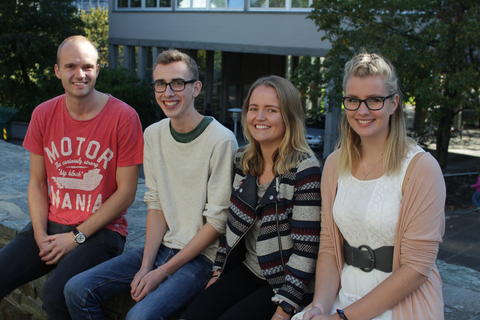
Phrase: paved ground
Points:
(459, 257)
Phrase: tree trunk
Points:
(420, 117)
(443, 136)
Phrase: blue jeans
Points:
(20, 263)
(86, 292)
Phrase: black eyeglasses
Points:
(176, 85)
(372, 103)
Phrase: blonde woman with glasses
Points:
(383, 203)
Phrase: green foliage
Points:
(308, 78)
(96, 30)
(29, 35)
(125, 86)
(434, 45)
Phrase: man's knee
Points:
(73, 291)
(53, 298)
(140, 312)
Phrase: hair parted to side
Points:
(364, 65)
(75, 38)
(293, 144)
(173, 55)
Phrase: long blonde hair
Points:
(365, 65)
(293, 143)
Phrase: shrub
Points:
(125, 86)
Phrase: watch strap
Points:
(341, 314)
(78, 236)
(288, 309)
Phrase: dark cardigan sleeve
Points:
(305, 233)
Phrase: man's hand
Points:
(54, 247)
(146, 283)
(137, 278)
(42, 243)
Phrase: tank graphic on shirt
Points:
(90, 180)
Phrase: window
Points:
(280, 4)
(148, 4)
(158, 3)
(301, 3)
(122, 3)
(194, 4)
(254, 5)
(210, 4)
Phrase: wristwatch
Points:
(79, 236)
(341, 314)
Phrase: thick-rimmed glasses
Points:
(372, 103)
(176, 85)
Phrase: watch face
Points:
(80, 238)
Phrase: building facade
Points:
(237, 41)
(89, 4)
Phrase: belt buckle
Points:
(371, 257)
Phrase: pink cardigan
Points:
(419, 232)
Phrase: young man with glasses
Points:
(188, 169)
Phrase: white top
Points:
(190, 182)
(366, 213)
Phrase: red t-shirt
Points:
(81, 157)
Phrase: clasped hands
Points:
(314, 312)
(52, 248)
(145, 281)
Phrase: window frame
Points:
(246, 7)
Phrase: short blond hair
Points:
(75, 38)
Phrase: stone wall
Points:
(25, 302)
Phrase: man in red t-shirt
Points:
(85, 147)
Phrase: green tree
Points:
(434, 45)
(29, 35)
(96, 30)
(308, 78)
(124, 85)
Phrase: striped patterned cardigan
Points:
(287, 244)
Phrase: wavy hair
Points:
(293, 143)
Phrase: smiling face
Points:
(264, 119)
(176, 105)
(367, 123)
(77, 68)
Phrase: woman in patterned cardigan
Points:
(274, 215)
